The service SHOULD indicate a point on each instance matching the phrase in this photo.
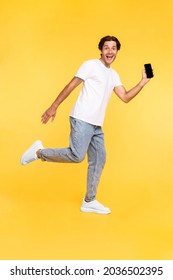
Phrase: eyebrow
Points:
(112, 46)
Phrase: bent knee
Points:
(78, 158)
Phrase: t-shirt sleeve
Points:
(117, 80)
(84, 71)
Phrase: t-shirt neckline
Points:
(104, 66)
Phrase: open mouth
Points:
(109, 57)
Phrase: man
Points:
(86, 119)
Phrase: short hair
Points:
(109, 38)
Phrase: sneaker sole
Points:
(92, 210)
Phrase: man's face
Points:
(109, 52)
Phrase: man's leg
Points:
(96, 160)
(80, 137)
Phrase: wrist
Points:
(143, 83)
(54, 106)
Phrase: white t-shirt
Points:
(99, 82)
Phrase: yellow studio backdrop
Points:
(42, 45)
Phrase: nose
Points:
(110, 51)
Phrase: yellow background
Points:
(42, 45)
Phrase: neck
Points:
(105, 64)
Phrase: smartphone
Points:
(148, 70)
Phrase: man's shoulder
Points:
(90, 62)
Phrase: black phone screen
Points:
(148, 70)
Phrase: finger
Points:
(45, 118)
(44, 114)
(53, 117)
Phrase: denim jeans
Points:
(85, 139)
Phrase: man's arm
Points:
(51, 111)
(126, 96)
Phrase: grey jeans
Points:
(85, 139)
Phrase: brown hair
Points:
(108, 38)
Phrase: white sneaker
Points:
(30, 154)
(95, 207)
